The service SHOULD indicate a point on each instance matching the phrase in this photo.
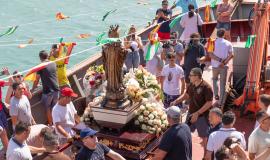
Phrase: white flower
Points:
(151, 116)
(144, 100)
(140, 118)
(144, 127)
(163, 117)
(150, 122)
(155, 113)
(136, 122)
(142, 107)
(145, 119)
(148, 105)
(146, 113)
(158, 122)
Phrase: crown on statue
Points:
(113, 32)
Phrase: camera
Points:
(166, 44)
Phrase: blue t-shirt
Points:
(176, 141)
(165, 27)
(184, 4)
(88, 154)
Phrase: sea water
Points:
(36, 20)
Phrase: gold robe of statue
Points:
(114, 56)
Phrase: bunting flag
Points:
(9, 31)
(176, 20)
(213, 4)
(250, 41)
(83, 36)
(184, 4)
(101, 41)
(151, 50)
(210, 45)
(207, 14)
(60, 16)
(61, 39)
(26, 44)
(107, 14)
(65, 50)
(32, 74)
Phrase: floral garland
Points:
(141, 84)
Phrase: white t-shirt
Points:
(33, 139)
(217, 138)
(222, 50)
(65, 116)
(258, 141)
(16, 151)
(152, 65)
(21, 108)
(190, 26)
(172, 76)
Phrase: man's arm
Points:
(213, 56)
(35, 84)
(180, 99)
(252, 156)
(159, 154)
(264, 155)
(183, 85)
(35, 150)
(225, 61)
(61, 130)
(115, 156)
(205, 107)
(14, 121)
(208, 155)
(33, 120)
(77, 118)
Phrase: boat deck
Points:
(243, 124)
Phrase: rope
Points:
(74, 54)
(94, 42)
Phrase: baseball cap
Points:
(173, 112)
(87, 132)
(68, 92)
(196, 71)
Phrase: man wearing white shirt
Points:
(64, 114)
(217, 138)
(223, 53)
(259, 139)
(172, 80)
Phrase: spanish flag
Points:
(32, 74)
(207, 14)
(210, 45)
(65, 50)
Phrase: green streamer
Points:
(10, 31)
(213, 4)
(250, 41)
(108, 13)
(175, 20)
(101, 41)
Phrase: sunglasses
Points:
(18, 76)
(165, 4)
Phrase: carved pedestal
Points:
(115, 118)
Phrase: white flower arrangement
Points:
(151, 118)
(141, 84)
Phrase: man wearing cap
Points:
(65, 115)
(176, 142)
(92, 149)
(200, 96)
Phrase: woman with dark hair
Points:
(194, 55)
(190, 22)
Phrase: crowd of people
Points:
(178, 65)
